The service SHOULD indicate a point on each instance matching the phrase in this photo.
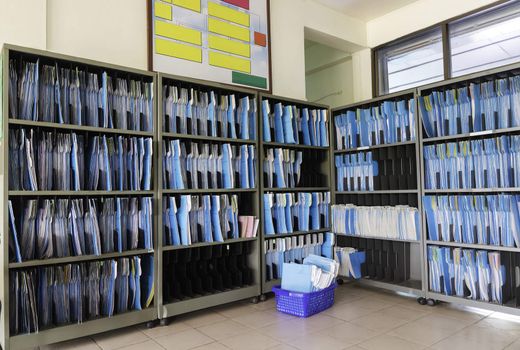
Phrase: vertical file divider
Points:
(57, 333)
(168, 308)
(324, 168)
(509, 306)
(384, 195)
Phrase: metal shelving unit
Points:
(501, 72)
(169, 308)
(324, 168)
(69, 331)
(416, 283)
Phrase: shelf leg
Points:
(151, 324)
(263, 297)
(164, 321)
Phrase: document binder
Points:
(71, 95)
(386, 123)
(291, 124)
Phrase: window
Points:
(481, 40)
(411, 62)
(485, 40)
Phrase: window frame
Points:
(446, 50)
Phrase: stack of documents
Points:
(65, 294)
(67, 161)
(492, 219)
(206, 113)
(390, 122)
(483, 106)
(398, 222)
(290, 249)
(54, 228)
(282, 168)
(189, 165)
(356, 172)
(315, 274)
(196, 219)
(473, 164)
(475, 274)
(291, 212)
(350, 261)
(292, 125)
(70, 95)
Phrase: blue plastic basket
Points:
(304, 304)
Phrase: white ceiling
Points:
(365, 9)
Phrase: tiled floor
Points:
(360, 319)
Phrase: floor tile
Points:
(237, 310)
(349, 333)
(421, 333)
(372, 303)
(148, 345)
(252, 340)
(261, 318)
(269, 304)
(388, 342)
(506, 323)
(379, 322)
(348, 311)
(184, 340)
(201, 318)
(403, 312)
(159, 331)
(212, 346)
(79, 344)
(513, 346)
(284, 330)
(459, 312)
(283, 347)
(316, 341)
(120, 338)
(223, 329)
(443, 322)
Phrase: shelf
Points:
(380, 238)
(74, 331)
(368, 148)
(78, 128)
(171, 135)
(296, 233)
(507, 308)
(207, 301)
(474, 246)
(297, 189)
(207, 244)
(78, 193)
(294, 146)
(267, 286)
(475, 190)
(77, 259)
(210, 190)
(378, 192)
(471, 135)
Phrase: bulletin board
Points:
(225, 41)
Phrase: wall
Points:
(416, 16)
(289, 18)
(115, 31)
(328, 72)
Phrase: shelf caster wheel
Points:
(151, 324)
(164, 322)
(263, 297)
(254, 300)
(422, 301)
(432, 302)
(340, 281)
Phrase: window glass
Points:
(485, 40)
(412, 62)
